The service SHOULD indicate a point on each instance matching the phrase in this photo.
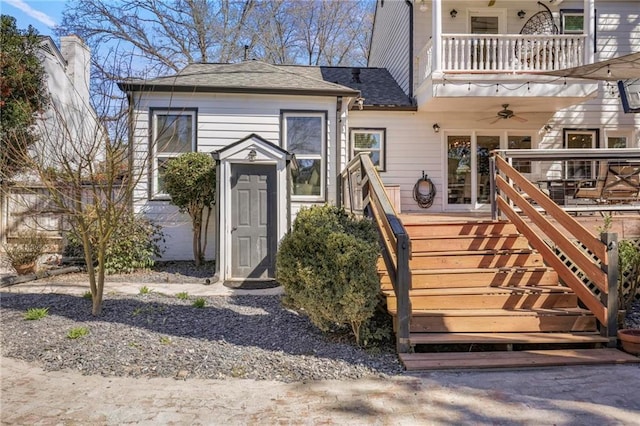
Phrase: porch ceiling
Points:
(471, 104)
(480, 93)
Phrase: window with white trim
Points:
(572, 21)
(580, 139)
(371, 141)
(305, 136)
(617, 140)
(174, 133)
(520, 142)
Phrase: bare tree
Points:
(162, 36)
(82, 161)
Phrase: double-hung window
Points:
(304, 135)
(371, 141)
(174, 133)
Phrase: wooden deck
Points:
(482, 298)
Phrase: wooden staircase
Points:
(477, 285)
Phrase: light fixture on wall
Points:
(360, 102)
(436, 128)
(252, 155)
(453, 13)
(522, 14)
(547, 128)
(424, 6)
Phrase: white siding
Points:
(221, 120)
(411, 148)
(390, 40)
(618, 33)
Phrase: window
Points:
(580, 139)
(521, 142)
(304, 134)
(572, 22)
(174, 133)
(371, 141)
(618, 138)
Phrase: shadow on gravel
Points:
(260, 322)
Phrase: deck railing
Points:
(503, 53)
(596, 259)
(362, 192)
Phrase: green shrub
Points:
(133, 246)
(327, 266)
(144, 290)
(199, 302)
(183, 295)
(77, 332)
(629, 267)
(36, 313)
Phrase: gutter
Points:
(410, 4)
(137, 87)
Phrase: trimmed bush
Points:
(327, 266)
(134, 245)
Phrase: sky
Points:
(43, 15)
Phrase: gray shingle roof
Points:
(243, 77)
(375, 85)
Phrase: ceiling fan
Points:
(504, 114)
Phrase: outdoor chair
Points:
(616, 182)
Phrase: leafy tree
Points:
(22, 93)
(190, 180)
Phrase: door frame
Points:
(251, 150)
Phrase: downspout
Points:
(410, 4)
(338, 149)
(130, 154)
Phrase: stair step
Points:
(484, 259)
(513, 359)
(504, 338)
(468, 243)
(478, 277)
(501, 320)
(459, 228)
(488, 298)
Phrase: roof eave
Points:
(162, 88)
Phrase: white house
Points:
(68, 122)
(447, 82)
(476, 70)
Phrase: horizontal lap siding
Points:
(390, 44)
(618, 34)
(222, 120)
(411, 147)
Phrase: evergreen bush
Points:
(134, 245)
(327, 266)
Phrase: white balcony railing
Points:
(503, 53)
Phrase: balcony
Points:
(508, 53)
(477, 65)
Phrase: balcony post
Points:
(589, 30)
(436, 23)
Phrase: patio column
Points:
(436, 24)
(589, 30)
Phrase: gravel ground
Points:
(154, 335)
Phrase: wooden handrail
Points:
(601, 272)
(395, 242)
